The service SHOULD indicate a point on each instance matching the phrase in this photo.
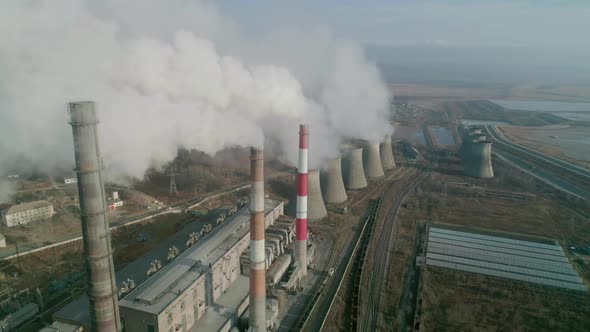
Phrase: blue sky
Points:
(466, 23)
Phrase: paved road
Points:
(526, 160)
(566, 165)
(369, 314)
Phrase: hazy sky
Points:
(558, 29)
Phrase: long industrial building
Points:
(220, 290)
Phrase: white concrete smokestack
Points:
(257, 247)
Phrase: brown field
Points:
(461, 205)
(460, 301)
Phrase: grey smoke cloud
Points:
(166, 73)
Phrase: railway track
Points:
(398, 173)
(369, 318)
(359, 261)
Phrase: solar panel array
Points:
(528, 261)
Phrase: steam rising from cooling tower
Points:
(176, 76)
(354, 172)
(386, 152)
(316, 207)
(372, 160)
(96, 235)
(333, 183)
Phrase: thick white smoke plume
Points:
(175, 73)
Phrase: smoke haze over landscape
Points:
(167, 74)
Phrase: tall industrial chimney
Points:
(387, 154)
(317, 209)
(257, 251)
(354, 173)
(334, 185)
(301, 214)
(372, 160)
(96, 235)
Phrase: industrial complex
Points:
(388, 226)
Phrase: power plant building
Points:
(203, 287)
(219, 293)
(25, 213)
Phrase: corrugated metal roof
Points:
(540, 263)
(27, 206)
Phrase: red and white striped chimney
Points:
(257, 251)
(301, 214)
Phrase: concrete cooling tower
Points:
(386, 152)
(354, 172)
(334, 191)
(478, 159)
(372, 161)
(316, 210)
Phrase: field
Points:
(458, 301)
(446, 197)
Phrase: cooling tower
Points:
(96, 234)
(257, 318)
(334, 191)
(372, 161)
(386, 152)
(301, 209)
(479, 160)
(316, 208)
(354, 172)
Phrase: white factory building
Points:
(27, 212)
(70, 178)
(114, 201)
